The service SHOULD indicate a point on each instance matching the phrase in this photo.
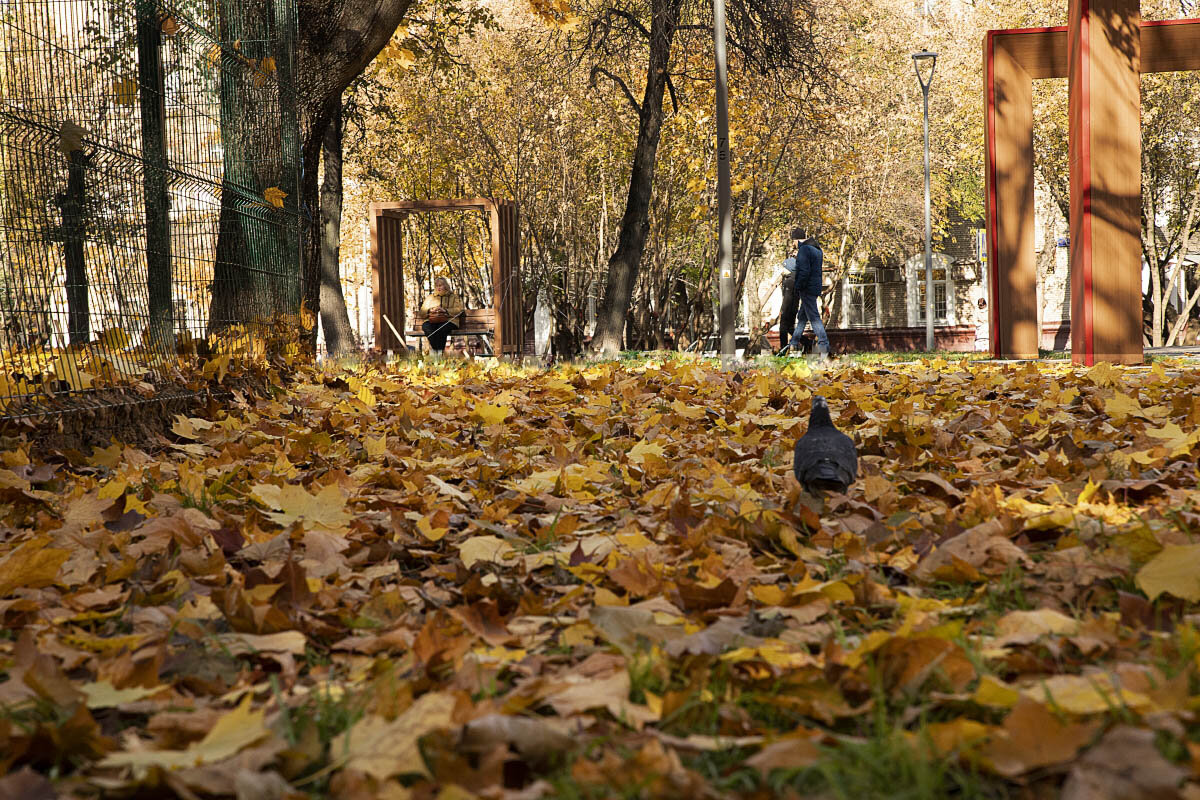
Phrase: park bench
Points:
(477, 322)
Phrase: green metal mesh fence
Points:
(149, 179)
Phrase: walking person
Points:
(787, 311)
(443, 312)
(809, 259)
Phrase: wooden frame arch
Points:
(1102, 51)
(387, 268)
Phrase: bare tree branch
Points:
(598, 70)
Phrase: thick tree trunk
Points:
(337, 40)
(251, 272)
(635, 223)
(161, 330)
(335, 321)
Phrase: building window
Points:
(862, 299)
(943, 290)
(940, 293)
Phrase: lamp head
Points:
(922, 58)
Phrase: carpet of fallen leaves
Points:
(602, 581)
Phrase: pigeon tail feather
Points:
(828, 475)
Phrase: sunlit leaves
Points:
(486, 562)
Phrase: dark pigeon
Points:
(825, 458)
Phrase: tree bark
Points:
(1180, 254)
(1150, 224)
(635, 223)
(251, 271)
(335, 320)
(161, 329)
(338, 39)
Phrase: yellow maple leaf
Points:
(114, 338)
(1174, 439)
(102, 694)
(1121, 406)
(385, 749)
(492, 415)
(376, 448)
(324, 510)
(483, 548)
(643, 450)
(32, 565)
(1086, 694)
(274, 195)
(67, 369)
(232, 733)
(991, 692)
(1175, 570)
(426, 525)
(404, 57)
(1104, 374)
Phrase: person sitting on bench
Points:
(443, 312)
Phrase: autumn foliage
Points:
(603, 581)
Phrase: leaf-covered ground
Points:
(603, 581)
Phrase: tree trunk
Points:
(251, 272)
(338, 39)
(1178, 277)
(335, 320)
(635, 223)
(161, 329)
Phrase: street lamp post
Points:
(920, 59)
(725, 286)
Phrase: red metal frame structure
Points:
(387, 268)
(1102, 51)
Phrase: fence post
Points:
(72, 203)
(160, 333)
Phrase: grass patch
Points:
(310, 727)
(898, 357)
(887, 766)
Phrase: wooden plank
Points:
(1171, 45)
(1041, 52)
(1106, 192)
(401, 311)
(497, 278)
(513, 279)
(391, 283)
(1009, 161)
(398, 207)
(376, 287)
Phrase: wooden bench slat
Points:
(476, 322)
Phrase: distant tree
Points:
(765, 35)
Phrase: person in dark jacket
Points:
(809, 260)
(787, 311)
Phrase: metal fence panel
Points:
(149, 186)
